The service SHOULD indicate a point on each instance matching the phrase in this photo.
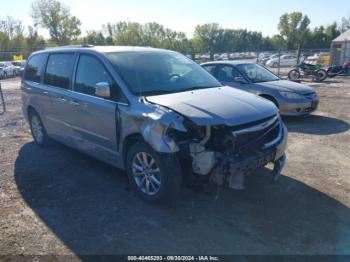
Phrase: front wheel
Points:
(156, 177)
(321, 75)
(294, 74)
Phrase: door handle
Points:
(45, 92)
(28, 88)
(74, 103)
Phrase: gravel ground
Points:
(57, 201)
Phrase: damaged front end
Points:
(230, 153)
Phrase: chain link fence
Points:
(278, 61)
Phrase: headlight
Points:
(291, 95)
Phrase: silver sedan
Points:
(291, 98)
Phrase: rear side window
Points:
(34, 67)
(227, 73)
(91, 71)
(210, 68)
(59, 70)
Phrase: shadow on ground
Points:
(86, 204)
(315, 125)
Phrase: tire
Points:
(162, 186)
(5, 75)
(321, 75)
(38, 130)
(294, 74)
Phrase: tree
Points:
(11, 27)
(34, 40)
(209, 37)
(56, 17)
(94, 38)
(331, 33)
(345, 24)
(293, 28)
(149, 34)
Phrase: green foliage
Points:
(207, 38)
(293, 28)
(345, 24)
(321, 37)
(55, 17)
(149, 34)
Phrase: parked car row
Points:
(276, 60)
(291, 59)
(11, 69)
(228, 56)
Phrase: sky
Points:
(184, 15)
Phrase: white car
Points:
(7, 69)
(18, 66)
(285, 60)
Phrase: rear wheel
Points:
(321, 75)
(294, 74)
(38, 130)
(154, 176)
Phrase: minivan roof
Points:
(100, 49)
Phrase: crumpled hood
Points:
(217, 106)
(285, 85)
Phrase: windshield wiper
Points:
(198, 87)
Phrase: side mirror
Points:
(239, 79)
(102, 89)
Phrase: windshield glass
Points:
(2, 64)
(256, 73)
(157, 72)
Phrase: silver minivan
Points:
(154, 113)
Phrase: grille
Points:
(254, 140)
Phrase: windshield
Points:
(256, 73)
(157, 72)
(2, 64)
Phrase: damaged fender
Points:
(155, 130)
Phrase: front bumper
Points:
(274, 153)
(299, 107)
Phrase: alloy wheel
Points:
(37, 129)
(146, 173)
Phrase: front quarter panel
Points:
(151, 122)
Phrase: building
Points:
(340, 49)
